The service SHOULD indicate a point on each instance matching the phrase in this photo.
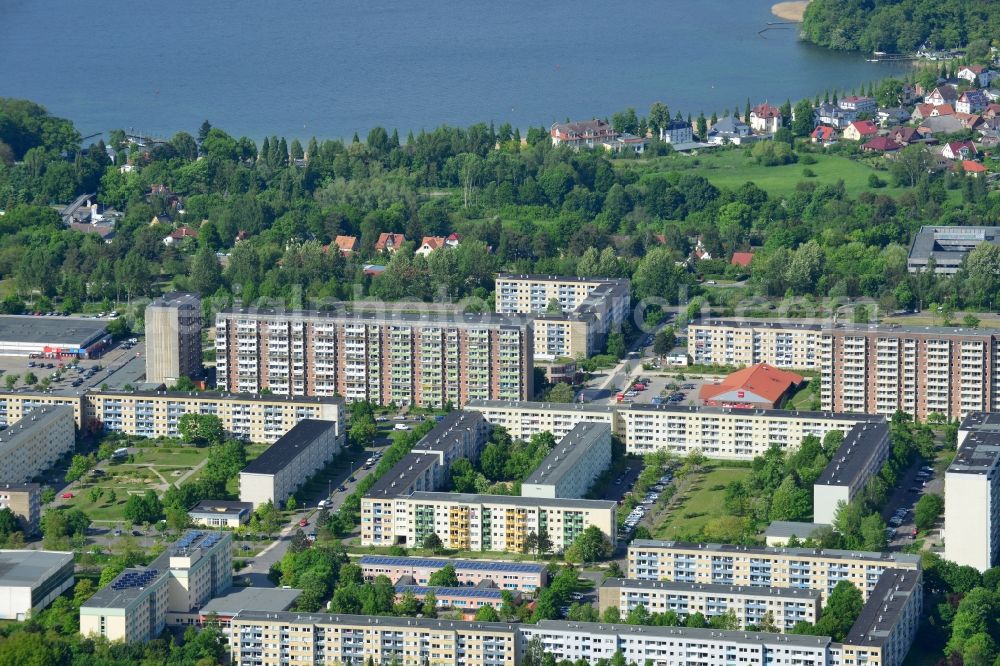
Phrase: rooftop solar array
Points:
(188, 539)
(211, 540)
(135, 579)
(471, 565)
(468, 592)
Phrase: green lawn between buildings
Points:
(702, 502)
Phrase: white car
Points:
(401, 426)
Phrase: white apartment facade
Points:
(784, 344)
(524, 419)
(291, 461)
(972, 495)
(35, 442)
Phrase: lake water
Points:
(328, 68)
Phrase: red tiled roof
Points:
(973, 167)
(346, 243)
(882, 144)
(762, 379)
(183, 232)
(765, 110)
(390, 239)
(741, 258)
(433, 242)
(865, 127)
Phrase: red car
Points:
(303, 522)
(67, 495)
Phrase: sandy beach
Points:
(790, 11)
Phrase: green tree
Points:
(561, 393)
(78, 466)
(842, 609)
(444, 577)
(487, 614)
(433, 542)
(664, 341)
(592, 545)
(201, 429)
(928, 509)
(206, 273)
(803, 122)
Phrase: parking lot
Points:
(637, 514)
(659, 389)
(919, 480)
(123, 360)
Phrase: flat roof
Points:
(984, 421)
(36, 416)
(374, 620)
(979, 453)
(460, 565)
(58, 331)
(465, 591)
(237, 599)
(470, 498)
(855, 417)
(541, 406)
(862, 444)
(884, 607)
(538, 277)
(759, 323)
(213, 395)
(223, 507)
(289, 446)
(712, 588)
(892, 330)
(569, 451)
(831, 553)
(488, 319)
(788, 528)
(950, 243)
(681, 632)
(31, 568)
(447, 434)
(176, 299)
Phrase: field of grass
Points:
(804, 398)
(730, 168)
(702, 502)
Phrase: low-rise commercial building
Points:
(761, 566)
(35, 442)
(725, 432)
(860, 456)
(223, 608)
(781, 607)
(734, 342)
(518, 576)
(25, 500)
(589, 309)
(288, 463)
(382, 357)
(173, 338)
(468, 599)
(220, 513)
(267, 639)
(52, 337)
(524, 419)
(780, 532)
(972, 494)
(498, 523)
(30, 580)
(577, 460)
(759, 386)
(141, 601)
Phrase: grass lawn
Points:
(170, 456)
(730, 169)
(804, 398)
(702, 503)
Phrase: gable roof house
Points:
(179, 234)
(977, 75)
(858, 103)
(452, 240)
(941, 125)
(881, 144)
(834, 116)
(765, 118)
(430, 243)
(895, 115)
(941, 95)
(974, 169)
(582, 134)
(958, 150)
(904, 136)
(346, 244)
(824, 134)
(969, 120)
(729, 130)
(760, 386)
(389, 242)
(860, 130)
(972, 101)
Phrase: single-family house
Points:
(104, 230)
(969, 120)
(677, 131)
(824, 134)
(860, 130)
(959, 150)
(834, 116)
(741, 259)
(977, 75)
(347, 245)
(921, 111)
(972, 101)
(992, 94)
(389, 242)
(992, 110)
(241, 236)
(894, 115)
(859, 104)
(881, 144)
(765, 118)
(429, 244)
(904, 136)
(582, 134)
(700, 252)
(626, 143)
(941, 95)
(974, 169)
(452, 240)
(179, 234)
(728, 130)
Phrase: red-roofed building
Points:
(881, 144)
(741, 259)
(972, 168)
(177, 235)
(824, 134)
(958, 150)
(429, 244)
(759, 386)
(346, 244)
(765, 118)
(992, 111)
(860, 130)
(389, 242)
(452, 240)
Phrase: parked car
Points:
(67, 495)
(401, 426)
(303, 522)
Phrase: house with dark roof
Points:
(765, 118)
(972, 101)
(904, 136)
(945, 94)
(728, 130)
(881, 144)
(895, 115)
(834, 116)
(959, 150)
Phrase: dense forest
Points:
(902, 26)
(265, 215)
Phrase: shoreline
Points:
(790, 11)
